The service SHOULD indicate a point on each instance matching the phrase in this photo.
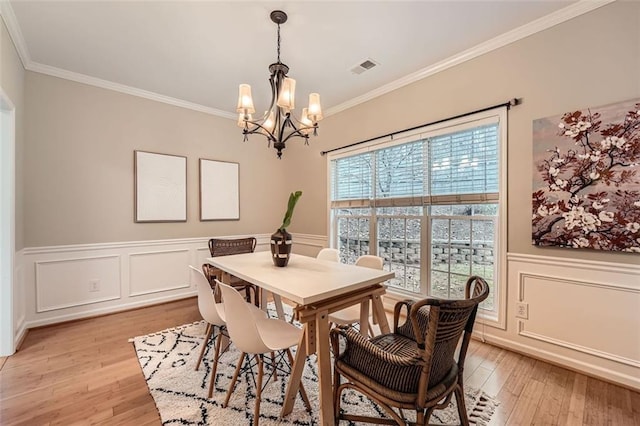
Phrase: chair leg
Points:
(462, 409)
(336, 396)
(303, 392)
(216, 356)
(232, 385)
(421, 419)
(204, 344)
(256, 409)
(274, 365)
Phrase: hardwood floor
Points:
(86, 372)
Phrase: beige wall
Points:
(590, 60)
(12, 82)
(79, 166)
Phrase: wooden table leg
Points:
(378, 309)
(364, 317)
(325, 382)
(277, 300)
(296, 374)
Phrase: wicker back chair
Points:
(226, 247)
(414, 367)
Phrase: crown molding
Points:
(9, 18)
(576, 9)
(105, 84)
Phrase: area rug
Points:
(168, 360)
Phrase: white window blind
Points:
(400, 171)
(464, 162)
(351, 177)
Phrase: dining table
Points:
(317, 288)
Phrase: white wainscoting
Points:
(146, 277)
(582, 314)
(61, 283)
(64, 283)
(19, 299)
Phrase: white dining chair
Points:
(255, 337)
(213, 314)
(329, 254)
(351, 315)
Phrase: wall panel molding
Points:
(158, 271)
(142, 273)
(60, 283)
(581, 314)
(592, 369)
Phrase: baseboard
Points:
(107, 311)
(589, 369)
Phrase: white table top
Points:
(305, 280)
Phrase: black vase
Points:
(280, 247)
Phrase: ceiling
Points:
(195, 53)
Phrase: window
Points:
(431, 204)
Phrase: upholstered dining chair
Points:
(213, 314)
(413, 368)
(255, 337)
(226, 247)
(351, 315)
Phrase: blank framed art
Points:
(219, 190)
(160, 187)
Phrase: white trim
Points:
(584, 349)
(541, 24)
(522, 276)
(109, 310)
(310, 240)
(131, 244)
(117, 87)
(147, 253)
(593, 265)
(7, 223)
(38, 273)
(583, 283)
(9, 18)
(565, 361)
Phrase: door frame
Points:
(7, 223)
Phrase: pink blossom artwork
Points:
(586, 178)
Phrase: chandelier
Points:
(278, 124)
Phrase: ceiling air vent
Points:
(363, 66)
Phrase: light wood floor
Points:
(86, 372)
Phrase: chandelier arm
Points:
(256, 131)
(296, 133)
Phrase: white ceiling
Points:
(195, 53)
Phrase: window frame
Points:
(495, 318)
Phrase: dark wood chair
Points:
(413, 368)
(226, 247)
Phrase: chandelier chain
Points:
(278, 43)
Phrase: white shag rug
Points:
(168, 360)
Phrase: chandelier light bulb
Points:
(270, 122)
(306, 122)
(287, 94)
(315, 110)
(245, 101)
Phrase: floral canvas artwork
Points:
(586, 178)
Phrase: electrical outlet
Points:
(522, 310)
(94, 285)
